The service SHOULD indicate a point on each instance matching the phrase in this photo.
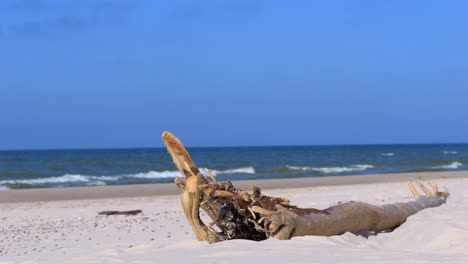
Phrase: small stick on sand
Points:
(130, 212)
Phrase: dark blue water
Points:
(59, 168)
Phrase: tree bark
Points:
(238, 214)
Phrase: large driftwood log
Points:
(238, 214)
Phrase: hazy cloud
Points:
(34, 17)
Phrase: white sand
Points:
(71, 232)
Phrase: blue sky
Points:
(94, 74)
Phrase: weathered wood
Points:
(239, 214)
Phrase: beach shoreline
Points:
(64, 227)
(163, 189)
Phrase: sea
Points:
(22, 169)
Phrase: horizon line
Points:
(238, 146)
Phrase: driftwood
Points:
(130, 212)
(237, 214)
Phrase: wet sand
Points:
(144, 190)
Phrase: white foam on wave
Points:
(101, 180)
(61, 179)
(246, 170)
(2, 188)
(153, 175)
(358, 167)
(104, 178)
(96, 183)
(449, 152)
(453, 165)
(388, 154)
(173, 174)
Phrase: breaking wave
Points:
(453, 165)
(101, 180)
(449, 152)
(152, 175)
(2, 188)
(388, 154)
(61, 179)
(359, 167)
(246, 170)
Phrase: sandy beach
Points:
(314, 123)
(62, 226)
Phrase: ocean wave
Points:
(101, 180)
(61, 179)
(449, 152)
(104, 178)
(246, 170)
(358, 167)
(152, 175)
(453, 165)
(2, 188)
(96, 183)
(388, 154)
(173, 174)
